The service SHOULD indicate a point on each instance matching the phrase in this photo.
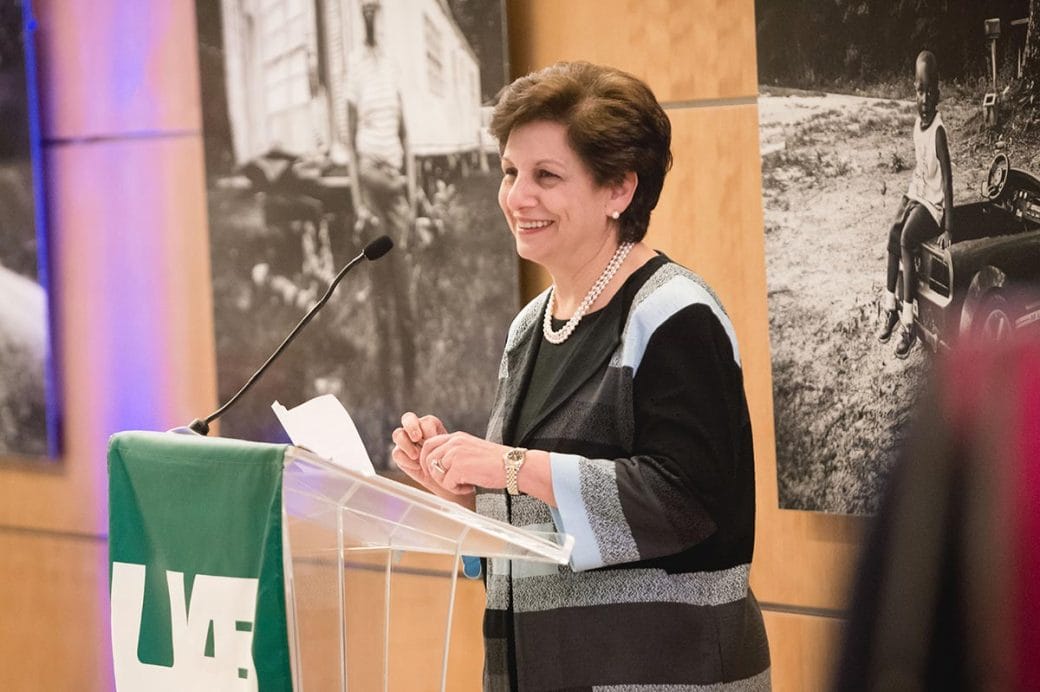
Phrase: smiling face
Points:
(557, 213)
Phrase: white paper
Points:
(323, 426)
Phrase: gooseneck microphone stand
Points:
(373, 251)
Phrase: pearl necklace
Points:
(554, 337)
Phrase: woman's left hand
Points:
(457, 461)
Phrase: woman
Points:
(620, 418)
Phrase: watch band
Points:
(512, 461)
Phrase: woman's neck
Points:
(572, 286)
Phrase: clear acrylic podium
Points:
(368, 559)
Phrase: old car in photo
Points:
(982, 282)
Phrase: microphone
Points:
(373, 251)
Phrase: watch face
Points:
(515, 454)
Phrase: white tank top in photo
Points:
(926, 186)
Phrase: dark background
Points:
(807, 43)
(23, 393)
(17, 226)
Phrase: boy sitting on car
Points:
(925, 210)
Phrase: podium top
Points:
(373, 511)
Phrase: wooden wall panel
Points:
(804, 651)
(54, 631)
(131, 308)
(419, 606)
(133, 313)
(53, 627)
(685, 49)
(108, 67)
(119, 98)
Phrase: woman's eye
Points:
(547, 174)
(509, 172)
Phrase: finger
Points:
(430, 445)
(453, 482)
(450, 480)
(458, 488)
(431, 426)
(433, 448)
(437, 468)
(405, 463)
(411, 425)
(401, 439)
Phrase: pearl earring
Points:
(615, 214)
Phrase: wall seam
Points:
(54, 533)
(810, 611)
(107, 138)
(720, 102)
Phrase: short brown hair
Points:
(613, 121)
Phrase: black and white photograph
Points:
(327, 124)
(26, 423)
(901, 192)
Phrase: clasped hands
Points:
(451, 465)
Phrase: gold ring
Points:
(435, 464)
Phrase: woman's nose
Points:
(520, 194)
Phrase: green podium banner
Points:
(195, 556)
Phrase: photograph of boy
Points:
(901, 202)
(925, 210)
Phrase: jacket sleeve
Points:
(691, 448)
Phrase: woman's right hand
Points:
(408, 441)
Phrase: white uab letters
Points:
(223, 601)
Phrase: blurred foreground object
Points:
(948, 592)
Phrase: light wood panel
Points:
(110, 67)
(418, 610)
(128, 251)
(709, 216)
(54, 622)
(804, 651)
(54, 631)
(133, 314)
(685, 49)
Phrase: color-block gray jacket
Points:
(653, 473)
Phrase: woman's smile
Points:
(525, 226)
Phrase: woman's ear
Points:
(622, 191)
